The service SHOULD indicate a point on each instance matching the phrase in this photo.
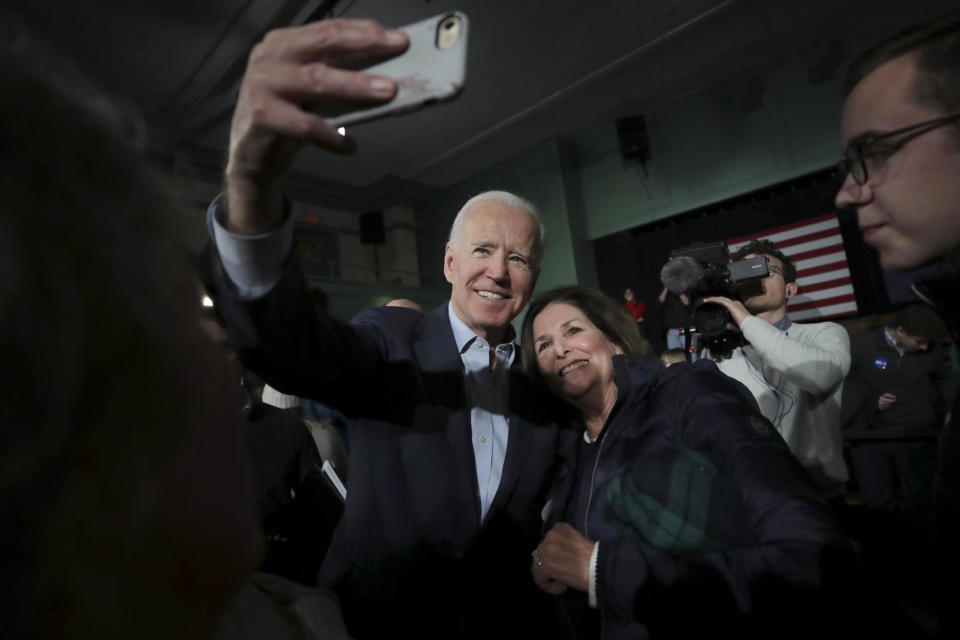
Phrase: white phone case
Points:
(424, 72)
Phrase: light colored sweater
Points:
(797, 378)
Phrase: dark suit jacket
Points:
(410, 555)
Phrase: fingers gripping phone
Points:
(433, 68)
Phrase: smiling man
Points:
(450, 451)
(901, 134)
(451, 446)
(491, 260)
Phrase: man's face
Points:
(493, 269)
(628, 295)
(909, 342)
(909, 209)
(776, 291)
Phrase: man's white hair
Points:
(503, 197)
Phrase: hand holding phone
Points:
(295, 74)
(288, 69)
(433, 68)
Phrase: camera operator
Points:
(795, 371)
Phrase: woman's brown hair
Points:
(617, 325)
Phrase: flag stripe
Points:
(804, 248)
(828, 259)
(825, 293)
(823, 268)
(794, 236)
(826, 284)
(807, 237)
(806, 281)
(769, 233)
(849, 297)
(822, 313)
(821, 251)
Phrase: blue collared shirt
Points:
(253, 263)
(487, 391)
(891, 341)
(783, 323)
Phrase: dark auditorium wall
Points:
(633, 258)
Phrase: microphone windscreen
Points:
(681, 274)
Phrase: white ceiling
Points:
(537, 68)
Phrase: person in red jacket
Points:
(636, 308)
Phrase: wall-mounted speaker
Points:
(371, 228)
(633, 138)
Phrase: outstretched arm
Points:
(259, 289)
(290, 75)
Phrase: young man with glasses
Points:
(795, 371)
(901, 131)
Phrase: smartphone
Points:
(433, 68)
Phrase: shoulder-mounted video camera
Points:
(702, 270)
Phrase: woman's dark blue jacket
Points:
(706, 521)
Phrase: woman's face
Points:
(573, 355)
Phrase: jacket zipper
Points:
(586, 516)
(593, 477)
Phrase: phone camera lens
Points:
(448, 32)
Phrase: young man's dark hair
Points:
(920, 321)
(767, 248)
(937, 44)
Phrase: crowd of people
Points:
(561, 483)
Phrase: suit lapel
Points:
(442, 370)
(439, 360)
(520, 435)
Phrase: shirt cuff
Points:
(592, 577)
(253, 263)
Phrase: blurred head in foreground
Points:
(124, 498)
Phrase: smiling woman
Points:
(570, 346)
(678, 497)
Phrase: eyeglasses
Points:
(862, 157)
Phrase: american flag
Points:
(823, 276)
